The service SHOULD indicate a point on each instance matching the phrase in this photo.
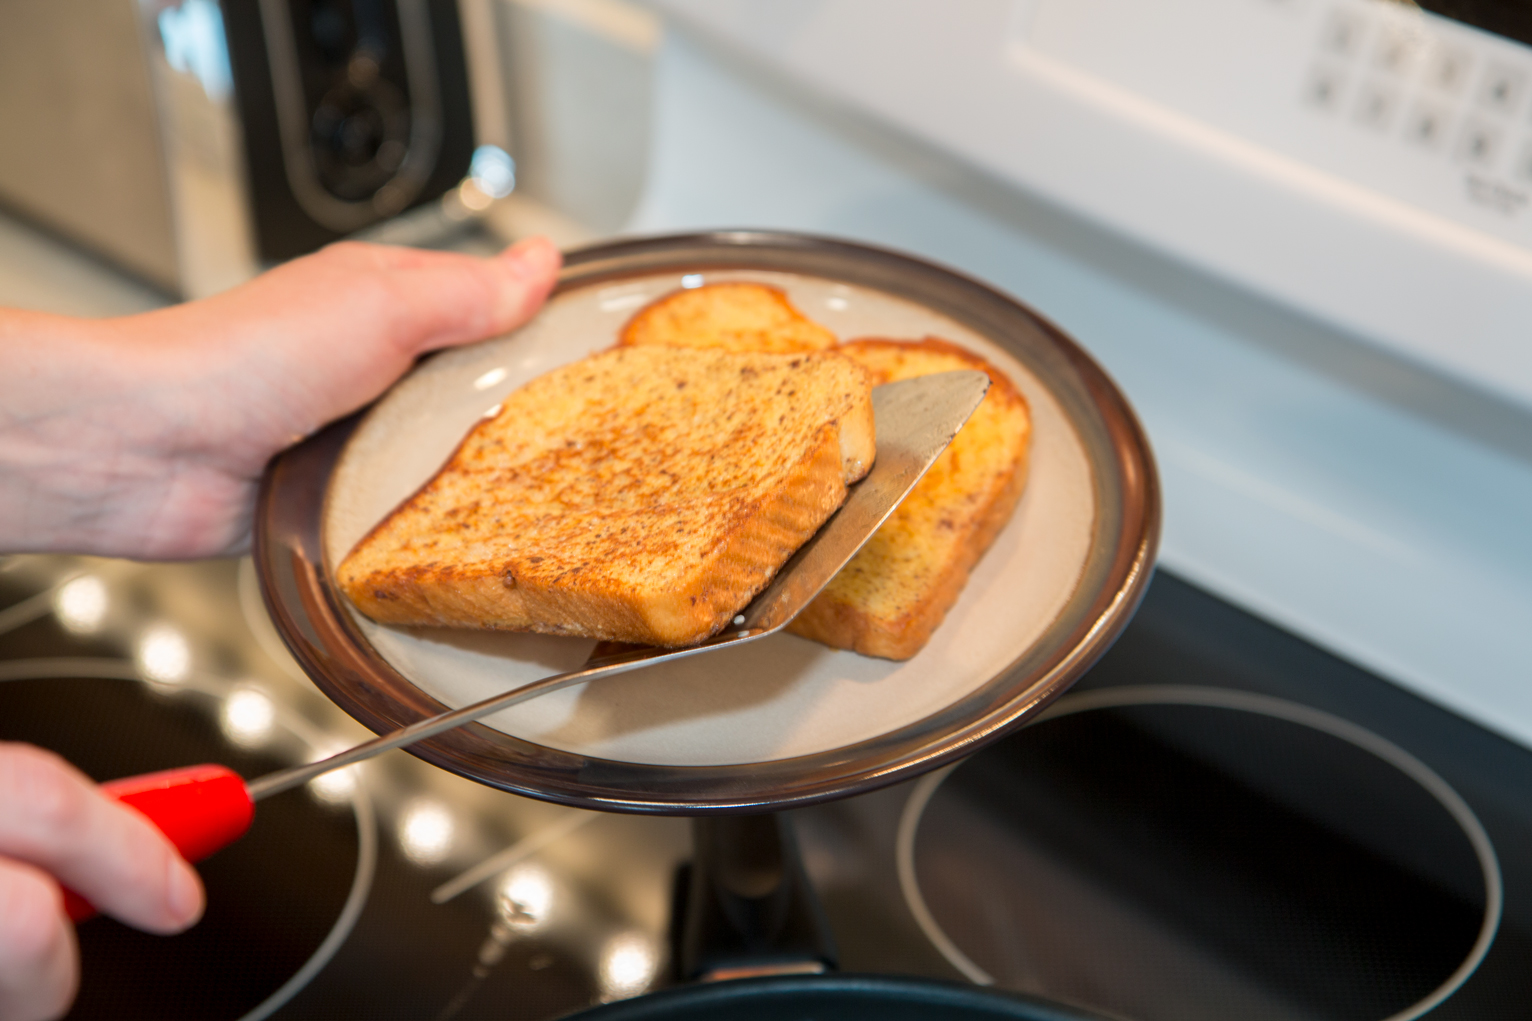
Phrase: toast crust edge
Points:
(665, 321)
(844, 625)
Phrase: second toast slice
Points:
(735, 315)
(642, 495)
(895, 592)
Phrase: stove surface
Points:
(1221, 820)
(396, 890)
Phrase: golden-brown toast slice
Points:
(729, 316)
(641, 495)
(892, 595)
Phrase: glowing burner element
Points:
(247, 717)
(525, 898)
(163, 655)
(80, 604)
(629, 962)
(426, 831)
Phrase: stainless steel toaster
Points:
(194, 141)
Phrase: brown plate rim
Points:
(309, 615)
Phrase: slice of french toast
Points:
(895, 592)
(644, 494)
(731, 316)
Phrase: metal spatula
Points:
(915, 419)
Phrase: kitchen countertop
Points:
(40, 272)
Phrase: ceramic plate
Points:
(777, 722)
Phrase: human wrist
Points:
(81, 440)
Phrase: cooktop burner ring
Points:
(361, 802)
(1241, 701)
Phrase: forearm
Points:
(81, 446)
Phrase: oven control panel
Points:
(1402, 102)
(1366, 162)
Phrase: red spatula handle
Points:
(200, 808)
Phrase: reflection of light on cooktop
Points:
(629, 962)
(162, 654)
(426, 831)
(80, 604)
(247, 717)
(525, 898)
(336, 786)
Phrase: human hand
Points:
(146, 436)
(56, 826)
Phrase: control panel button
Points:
(1427, 126)
(1325, 88)
(1448, 69)
(1396, 52)
(1502, 88)
(1479, 143)
(1375, 105)
(1343, 34)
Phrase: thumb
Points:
(529, 270)
(445, 299)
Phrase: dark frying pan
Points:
(833, 997)
(746, 906)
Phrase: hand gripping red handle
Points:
(200, 808)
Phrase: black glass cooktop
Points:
(1219, 821)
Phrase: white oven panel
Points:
(1359, 160)
(1389, 97)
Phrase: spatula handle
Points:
(200, 808)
